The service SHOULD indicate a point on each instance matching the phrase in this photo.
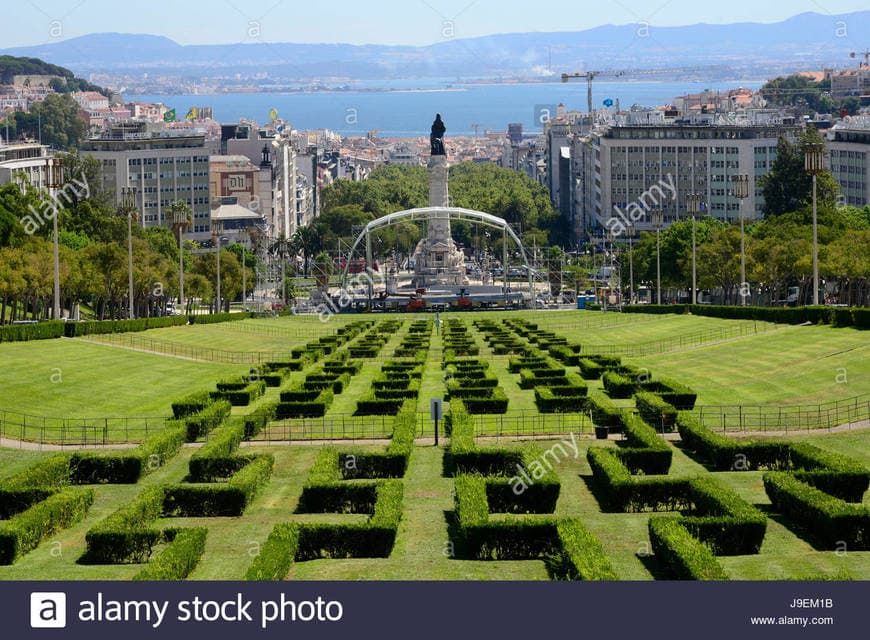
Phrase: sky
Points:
(408, 22)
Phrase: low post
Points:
(435, 408)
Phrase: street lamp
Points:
(53, 181)
(630, 229)
(693, 206)
(244, 233)
(128, 206)
(657, 218)
(814, 162)
(217, 228)
(741, 192)
(180, 221)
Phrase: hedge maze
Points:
(509, 502)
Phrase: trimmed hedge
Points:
(370, 405)
(94, 327)
(683, 556)
(26, 332)
(126, 536)
(179, 558)
(215, 459)
(495, 402)
(590, 369)
(229, 499)
(213, 318)
(831, 520)
(313, 408)
(208, 419)
(128, 467)
(645, 452)
(277, 554)
(25, 531)
(603, 412)
(656, 410)
(679, 395)
(189, 405)
(243, 396)
(568, 399)
(582, 555)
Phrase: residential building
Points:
(163, 166)
(849, 146)
(23, 162)
(656, 166)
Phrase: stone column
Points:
(439, 226)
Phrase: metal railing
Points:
(825, 415)
(76, 432)
(676, 342)
(194, 352)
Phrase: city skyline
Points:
(419, 22)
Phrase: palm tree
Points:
(181, 216)
(306, 240)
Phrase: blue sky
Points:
(28, 22)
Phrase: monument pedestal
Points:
(437, 259)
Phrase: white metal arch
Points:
(428, 213)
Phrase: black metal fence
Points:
(22, 428)
(825, 415)
(677, 342)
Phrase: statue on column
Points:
(436, 138)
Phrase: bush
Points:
(655, 410)
(277, 554)
(179, 558)
(496, 402)
(604, 412)
(194, 403)
(617, 386)
(203, 422)
(679, 395)
(370, 405)
(128, 467)
(582, 554)
(645, 450)
(683, 556)
(567, 399)
(259, 419)
(314, 408)
(25, 332)
(25, 531)
(126, 537)
(724, 520)
(49, 472)
(241, 397)
(213, 318)
(833, 521)
(94, 327)
(211, 500)
(214, 460)
(590, 369)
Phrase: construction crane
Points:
(475, 126)
(865, 54)
(591, 75)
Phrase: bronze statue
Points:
(436, 138)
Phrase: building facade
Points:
(162, 166)
(849, 146)
(23, 163)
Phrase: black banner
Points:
(443, 610)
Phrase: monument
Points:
(437, 259)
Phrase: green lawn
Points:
(75, 379)
(792, 365)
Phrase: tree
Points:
(55, 121)
(788, 187)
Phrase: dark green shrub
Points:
(683, 556)
(179, 558)
(277, 554)
(25, 332)
(656, 411)
(126, 536)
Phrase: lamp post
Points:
(741, 192)
(53, 181)
(180, 221)
(814, 161)
(128, 206)
(630, 229)
(244, 233)
(657, 218)
(217, 228)
(693, 206)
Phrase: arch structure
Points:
(438, 213)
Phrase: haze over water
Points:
(408, 109)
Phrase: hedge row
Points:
(617, 385)
(300, 403)
(213, 318)
(223, 499)
(277, 554)
(603, 412)
(178, 558)
(76, 329)
(215, 459)
(656, 410)
(206, 420)
(831, 472)
(645, 451)
(562, 399)
(25, 531)
(832, 520)
(25, 332)
(241, 397)
(127, 535)
(674, 393)
(130, 466)
(682, 554)
(839, 317)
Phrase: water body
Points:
(408, 109)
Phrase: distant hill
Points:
(808, 40)
(11, 66)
